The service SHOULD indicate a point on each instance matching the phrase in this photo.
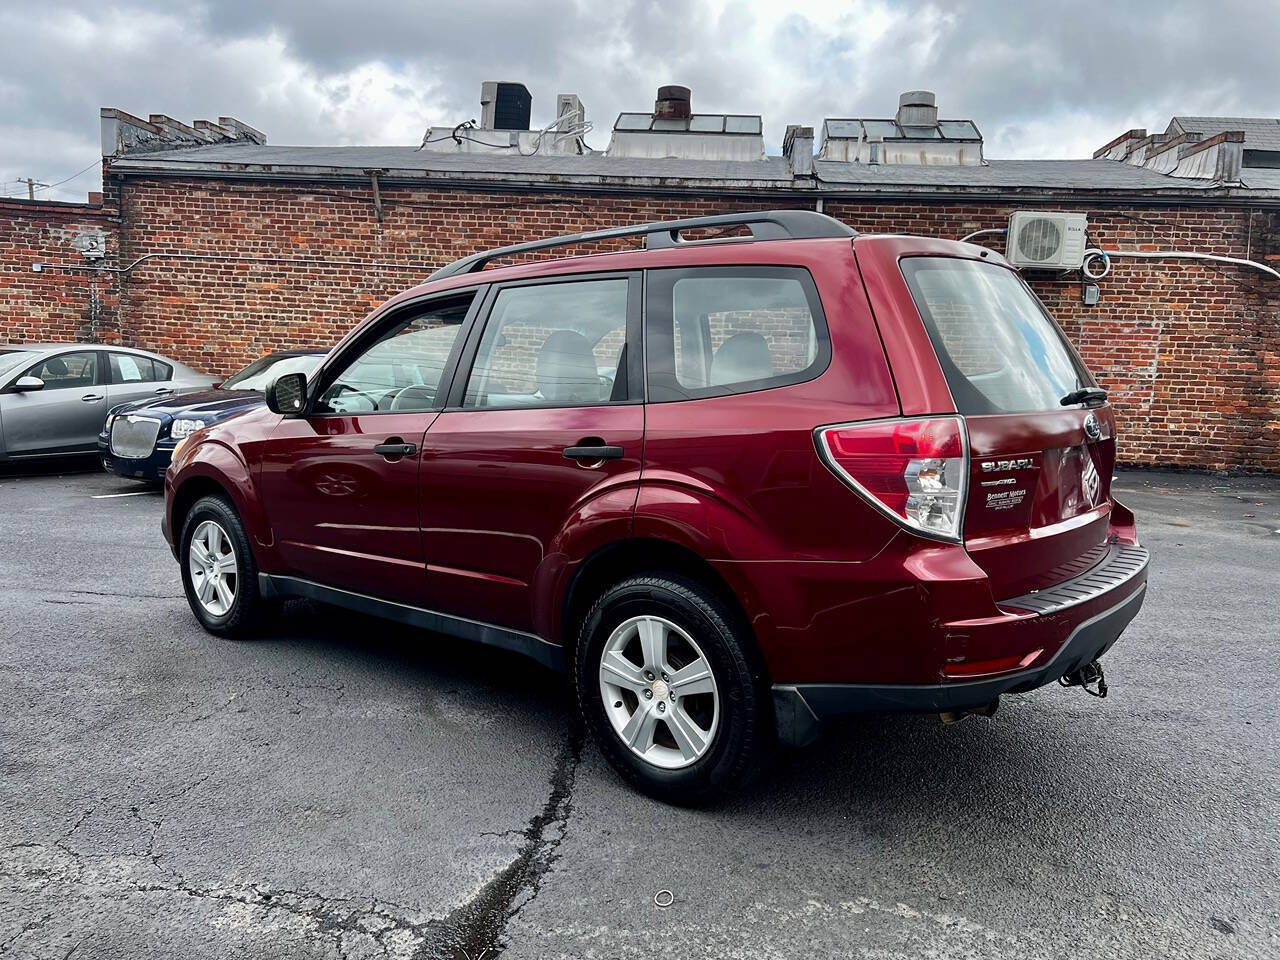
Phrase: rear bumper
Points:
(1092, 624)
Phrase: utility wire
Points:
(50, 186)
(70, 178)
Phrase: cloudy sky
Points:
(1040, 79)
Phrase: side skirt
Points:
(548, 654)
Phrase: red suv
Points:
(734, 486)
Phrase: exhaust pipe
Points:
(986, 710)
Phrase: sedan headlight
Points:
(184, 428)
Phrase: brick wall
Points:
(1191, 352)
(63, 300)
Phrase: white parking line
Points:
(112, 496)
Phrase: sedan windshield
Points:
(14, 358)
(262, 373)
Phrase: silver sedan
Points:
(54, 397)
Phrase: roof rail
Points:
(763, 224)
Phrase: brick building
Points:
(215, 247)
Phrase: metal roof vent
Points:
(674, 103)
(917, 108)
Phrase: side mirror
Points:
(26, 384)
(288, 395)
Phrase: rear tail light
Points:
(913, 470)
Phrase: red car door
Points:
(538, 456)
(341, 484)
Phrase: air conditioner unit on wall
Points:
(1046, 241)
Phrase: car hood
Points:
(206, 404)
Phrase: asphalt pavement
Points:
(346, 788)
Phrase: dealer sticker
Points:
(1005, 499)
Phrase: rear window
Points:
(715, 331)
(999, 349)
(127, 368)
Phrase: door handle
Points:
(593, 453)
(395, 448)
(91, 398)
(161, 390)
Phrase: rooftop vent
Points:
(915, 135)
(674, 130)
(917, 108)
(673, 103)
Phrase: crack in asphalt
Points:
(335, 918)
(477, 927)
(127, 596)
(117, 594)
(472, 931)
(26, 928)
(288, 690)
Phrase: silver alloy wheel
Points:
(659, 692)
(215, 576)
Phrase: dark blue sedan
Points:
(138, 438)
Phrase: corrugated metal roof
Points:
(768, 173)
(1260, 133)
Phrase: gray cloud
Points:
(1039, 79)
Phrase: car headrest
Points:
(743, 357)
(55, 367)
(566, 369)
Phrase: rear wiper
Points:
(1093, 396)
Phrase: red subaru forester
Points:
(733, 485)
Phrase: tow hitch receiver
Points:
(1086, 676)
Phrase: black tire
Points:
(249, 612)
(743, 737)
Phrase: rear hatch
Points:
(1038, 503)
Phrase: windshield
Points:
(262, 373)
(14, 358)
(999, 349)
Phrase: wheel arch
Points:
(217, 470)
(640, 555)
(188, 494)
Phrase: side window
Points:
(401, 370)
(67, 371)
(126, 368)
(721, 330)
(555, 344)
(163, 370)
